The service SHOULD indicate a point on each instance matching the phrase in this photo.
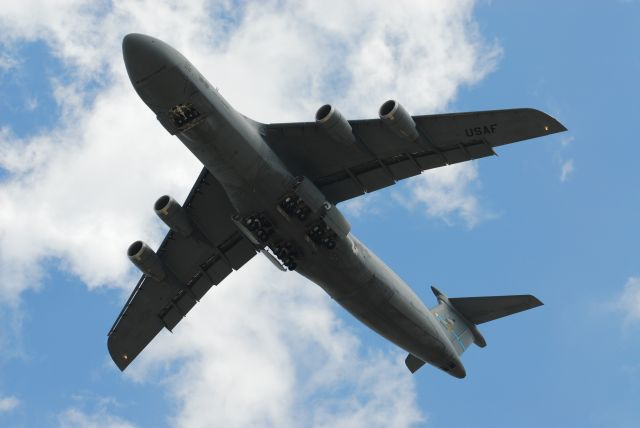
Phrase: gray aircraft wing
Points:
(203, 259)
(378, 157)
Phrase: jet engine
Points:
(146, 260)
(398, 120)
(173, 215)
(330, 119)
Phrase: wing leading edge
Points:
(379, 158)
(196, 263)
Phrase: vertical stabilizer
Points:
(456, 327)
(462, 332)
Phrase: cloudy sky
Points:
(82, 160)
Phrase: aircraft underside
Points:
(274, 188)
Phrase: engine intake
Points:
(398, 120)
(330, 119)
(146, 260)
(173, 215)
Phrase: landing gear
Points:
(183, 114)
(329, 243)
(262, 233)
(260, 226)
(292, 266)
(293, 206)
(286, 253)
(322, 235)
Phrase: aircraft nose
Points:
(143, 56)
(159, 73)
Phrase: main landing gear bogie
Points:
(321, 234)
(295, 207)
(260, 226)
(286, 253)
(183, 114)
(264, 234)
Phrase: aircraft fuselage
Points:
(233, 149)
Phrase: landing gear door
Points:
(184, 116)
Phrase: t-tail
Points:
(458, 318)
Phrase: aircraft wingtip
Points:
(121, 359)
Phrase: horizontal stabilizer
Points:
(479, 310)
(413, 363)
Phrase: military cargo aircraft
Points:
(273, 189)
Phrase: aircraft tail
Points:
(459, 317)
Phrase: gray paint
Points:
(256, 165)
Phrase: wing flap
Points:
(403, 166)
(479, 310)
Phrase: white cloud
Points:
(567, 169)
(366, 204)
(7, 62)
(31, 103)
(78, 193)
(270, 344)
(81, 191)
(90, 410)
(565, 141)
(446, 193)
(629, 300)
(99, 169)
(76, 418)
(567, 166)
(8, 403)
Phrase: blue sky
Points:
(510, 224)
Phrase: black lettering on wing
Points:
(481, 130)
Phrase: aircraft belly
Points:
(362, 284)
(290, 214)
(231, 147)
(239, 160)
(254, 179)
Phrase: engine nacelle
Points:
(398, 120)
(146, 260)
(173, 215)
(330, 119)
